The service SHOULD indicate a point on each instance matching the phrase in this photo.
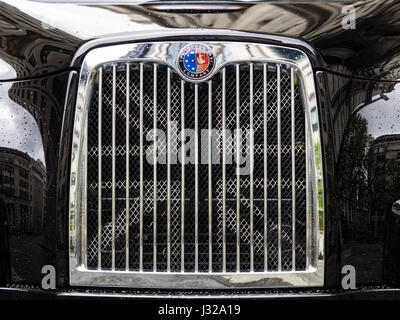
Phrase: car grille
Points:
(170, 205)
(149, 212)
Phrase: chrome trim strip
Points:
(183, 176)
(265, 78)
(100, 181)
(161, 34)
(223, 296)
(278, 128)
(228, 52)
(84, 183)
(210, 176)
(237, 168)
(127, 212)
(308, 220)
(191, 279)
(141, 170)
(255, 52)
(114, 123)
(155, 171)
(292, 110)
(251, 172)
(193, 7)
(168, 170)
(223, 170)
(196, 177)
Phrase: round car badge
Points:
(196, 61)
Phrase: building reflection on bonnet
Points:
(22, 190)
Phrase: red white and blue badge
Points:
(196, 61)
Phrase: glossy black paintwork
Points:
(362, 166)
(30, 129)
(41, 38)
(392, 250)
(357, 117)
(4, 247)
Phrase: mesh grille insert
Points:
(175, 226)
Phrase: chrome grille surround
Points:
(164, 54)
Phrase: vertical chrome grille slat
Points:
(223, 170)
(100, 180)
(308, 218)
(237, 168)
(127, 212)
(196, 177)
(85, 195)
(114, 94)
(155, 170)
(141, 193)
(265, 100)
(210, 104)
(168, 170)
(293, 168)
(183, 176)
(278, 75)
(251, 134)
